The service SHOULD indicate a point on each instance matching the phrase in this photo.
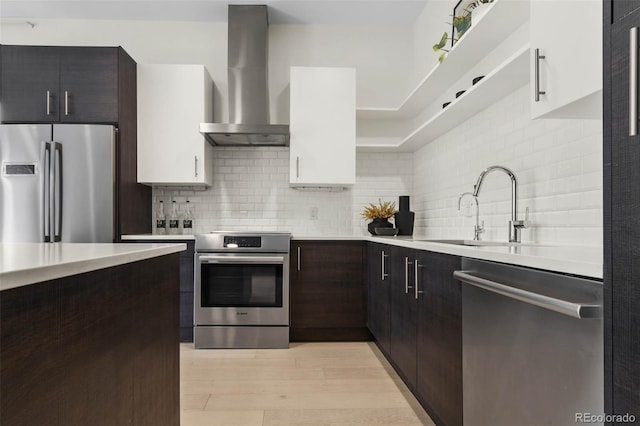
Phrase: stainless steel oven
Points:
(241, 290)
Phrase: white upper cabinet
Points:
(323, 127)
(568, 33)
(172, 102)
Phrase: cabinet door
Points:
(439, 341)
(403, 314)
(328, 298)
(571, 72)
(88, 85)
(622, 215)
(379, 294)
(172, 102)
(620, 9)
(323, 126)
(30, 84)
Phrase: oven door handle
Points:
(242, 259)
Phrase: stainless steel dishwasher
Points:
(532, 346)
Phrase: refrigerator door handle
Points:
(46, 193)
(56, 191)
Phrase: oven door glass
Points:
(251, 285)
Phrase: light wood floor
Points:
(307, 384)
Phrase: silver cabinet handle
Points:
(66, 102)
(575, 310)
(537, 75)
(298, 258)
(416, 266)
(48, 102)
(195, 165)
(633, 81)
(384, 274)
(297, 167)
(406, 275)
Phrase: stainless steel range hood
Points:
(248, 84)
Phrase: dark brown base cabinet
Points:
(328, 291)
(379, 294)
(186, 286)
(404, 313)
(621, 155)
(415, 316)
(81, 85)
(99, 348)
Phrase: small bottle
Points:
(187, 220)
(160, 228)
(174, 223)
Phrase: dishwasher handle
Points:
(572, 309)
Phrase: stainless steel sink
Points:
(477, 243)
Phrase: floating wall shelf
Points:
(509, 76)
(512, 74)
(500, 21)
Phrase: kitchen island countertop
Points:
(28, 263)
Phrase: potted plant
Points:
(471, 10)
(461, 24)
(379, 215)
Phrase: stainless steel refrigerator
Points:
(57, 183)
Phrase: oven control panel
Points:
(242, 242)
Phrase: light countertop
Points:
(577, 260)
(155, 237)
(24, 264)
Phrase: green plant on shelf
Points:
(461, 23)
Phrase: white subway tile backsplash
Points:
(251, 192)
(558, 164)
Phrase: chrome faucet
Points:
(477, 229)
(515, 225)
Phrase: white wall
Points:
(251, 192)
(558, 164)
(381, 55)
(434, 20)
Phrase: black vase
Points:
(378, 223)
(404, 218)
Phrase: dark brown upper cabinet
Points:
(59, 84)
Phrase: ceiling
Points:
(339, 12)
